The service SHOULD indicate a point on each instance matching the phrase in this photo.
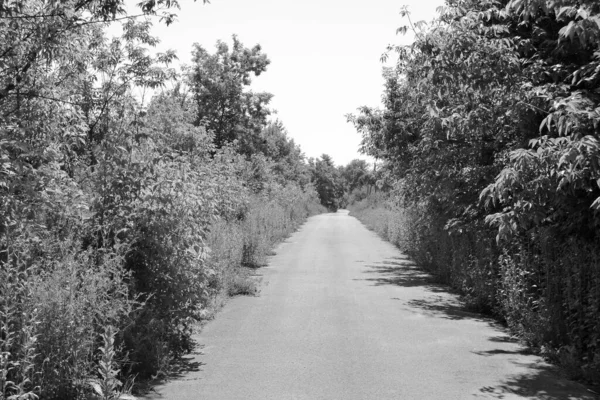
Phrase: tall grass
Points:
(240, 245)
(53, 308)
(547, 289)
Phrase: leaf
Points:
(566, 12)
(402, 30)
(126, 396)
(95, 385)
(433, 110)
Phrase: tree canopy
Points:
(224, 104)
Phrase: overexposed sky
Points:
(325, 57)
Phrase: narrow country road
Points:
(344, 315)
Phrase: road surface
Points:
(344, 315)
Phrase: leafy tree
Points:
(490, 132)
(445, 85)
(356, 174)
(288, 160)
(554, 181)
(219, 84)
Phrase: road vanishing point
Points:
(344, 315)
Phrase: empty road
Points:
(344, 315)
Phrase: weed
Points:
(107, 386)
(243, 284)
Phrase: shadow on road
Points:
(402, 272)
(448, 308)
(494, 352)
(185, 365)
(179, 370)
(439, 301)
(503, 339)
(541, 383)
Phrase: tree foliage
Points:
(224, 105)
(356, 174)
(327, 181)
(490, 131)
(112, 205)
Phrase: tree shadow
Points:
(185, 365)
(179, 369)
(503, 339)
(402, 272)
(439, 299)
(448, 308)
(543, 382)
(539, 381)
(524, 351)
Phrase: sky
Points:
(325, 57)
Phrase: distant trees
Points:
(327, 180)
(338, 185)
(357, 174)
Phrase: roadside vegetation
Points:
(489, 165)
(134, 196)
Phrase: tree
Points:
(219, 84)
(356, 174)
(288, 160)
(491, 132)
(552, 179)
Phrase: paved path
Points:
(344, 315)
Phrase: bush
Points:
(247, 241)
(53, 311)
(77, 297)
(163, 272)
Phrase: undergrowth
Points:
(72, 325)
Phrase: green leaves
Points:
(567, 152)
(328, 182)
(219, 83)
(491, 128)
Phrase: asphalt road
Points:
(344, 315)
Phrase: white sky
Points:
(324, 57)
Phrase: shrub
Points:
(53, 309)
(247, 241)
